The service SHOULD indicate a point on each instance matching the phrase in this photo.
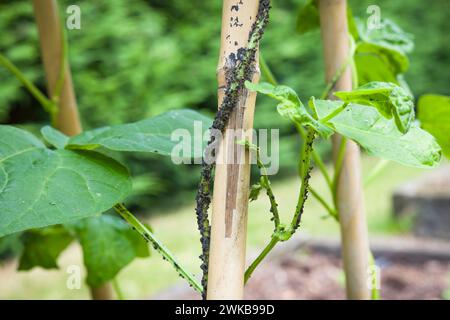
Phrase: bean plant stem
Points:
(317, 158)
(157, 245)
(268, 187)
(306, 162)
(335, 112)
(318, 161)
(266, 72)
(273, 204)
(47, 104)
(117, 290)
(379, 167)
(338, 165)
(321, 165)
(332, 212)
(280, 233)
(341, 70)
(261, 256)
(375, 292)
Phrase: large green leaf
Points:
(41, 187)
(10, 245)
(376, 63)
(289, 106)
(54, 137)
(390, 100)
(308, 18)
(42, 247)
(150, 135)
(434, 115)
(380, 53)
(108, 245)
(380, 136)
(388, 35)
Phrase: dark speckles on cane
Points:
(235, 8)
(239, 68)
(235, 22)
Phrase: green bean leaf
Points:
(380, 136)
(390, 100)
(290, 106)
(434, 116)
(41, 187)
(154, 135)
(109, 245)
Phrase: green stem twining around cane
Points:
(157, 245)
(242, 71)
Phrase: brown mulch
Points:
(319, 276)
(305, 274)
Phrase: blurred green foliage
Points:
(133, 59)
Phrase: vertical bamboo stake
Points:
(231, 183)
(49, 27)
(350, 202)
(68, 121)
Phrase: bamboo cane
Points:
(68, 121)
(349, 197)
(231, 183)
(49, 27)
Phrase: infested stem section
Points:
(283, 232)
(157, 245)
(305, 175)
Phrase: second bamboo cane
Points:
(349, 197)
(51, 40)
